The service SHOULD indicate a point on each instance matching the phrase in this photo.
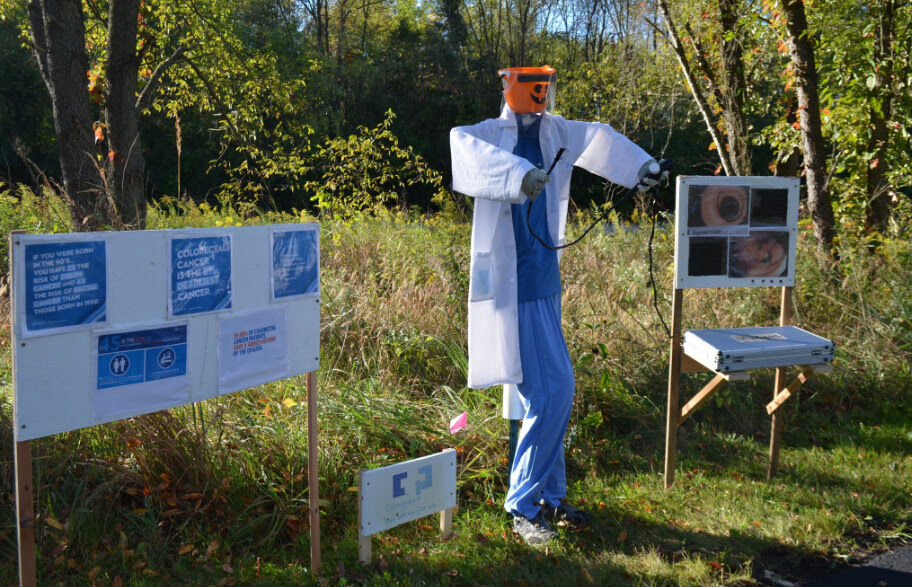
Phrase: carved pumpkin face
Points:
(528, 90)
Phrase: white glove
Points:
(649, 175)
(534, 182)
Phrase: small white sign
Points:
(407, 491)
(253, 349)
(140, 370)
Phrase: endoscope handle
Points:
(556, 159)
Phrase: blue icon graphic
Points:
(166, 358)
(119, 365)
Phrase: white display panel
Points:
(735, 231)
(61, 382)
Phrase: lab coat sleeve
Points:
(606, 152)
(482, 169)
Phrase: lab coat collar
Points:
(507, 118)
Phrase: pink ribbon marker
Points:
(459, 422)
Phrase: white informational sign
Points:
(735, 231)
(253, 349)
(65, 285)
(118, 324)
(140, 369)
(407, 491)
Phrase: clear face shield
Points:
(529, 90)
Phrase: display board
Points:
(111, 325)
(406, 491)
(735, 231)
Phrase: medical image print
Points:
(718, 210)
(762, 254)
(707, 256)
(769, 207)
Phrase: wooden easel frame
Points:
(24, 477)
(680, 363)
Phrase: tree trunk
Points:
(125, 163)
(734, 88)
(58, 36)
(802, 52)
(877, 214)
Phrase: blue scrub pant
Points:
(547, 394)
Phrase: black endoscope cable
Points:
(665, 166)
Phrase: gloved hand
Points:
(534, 182)
(651, 173)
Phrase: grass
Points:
(216, 493)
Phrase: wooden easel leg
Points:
(776, 427)
(25, 514)
(673, 411)
(313, 475)
(785, 318)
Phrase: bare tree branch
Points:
(675, 41)
(146, 95)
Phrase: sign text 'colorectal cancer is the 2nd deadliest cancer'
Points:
(200, 274)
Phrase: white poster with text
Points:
(253, 349)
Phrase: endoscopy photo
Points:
(762, 254)
(769, 207)
(707, 256)
(718, 210)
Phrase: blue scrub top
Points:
(537, 273)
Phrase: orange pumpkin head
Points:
(529, 90)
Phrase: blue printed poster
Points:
(200, 274)
(141, 356)
(295, 263)
(152, 359)
(65, 285)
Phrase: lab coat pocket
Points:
(482, 280)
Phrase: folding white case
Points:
(740, 349)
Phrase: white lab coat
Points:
(485, 168)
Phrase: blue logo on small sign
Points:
(166, 358)
(425, 481)
(119, 365)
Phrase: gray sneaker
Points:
(535, 531)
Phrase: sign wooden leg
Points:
(25, 514)
(313, 475)
(364, 542)
(673, 411)
(446, 523)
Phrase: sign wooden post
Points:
(313, 477)
(25, 514)
(22, 457)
